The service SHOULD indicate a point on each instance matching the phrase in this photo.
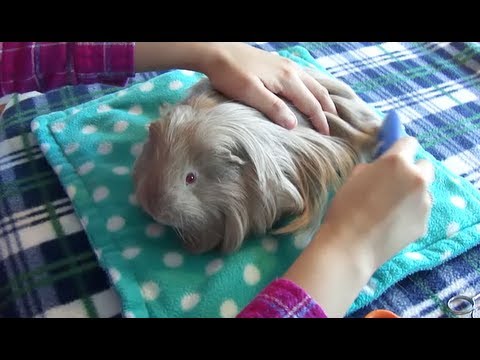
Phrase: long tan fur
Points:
(251, 172)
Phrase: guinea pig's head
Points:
(187, 178)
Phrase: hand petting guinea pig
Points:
(217, 170)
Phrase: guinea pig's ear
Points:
(230, 156)
(234, 158)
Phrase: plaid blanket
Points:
(48, 269)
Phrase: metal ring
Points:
(461, 298)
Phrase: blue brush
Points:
(391, 130)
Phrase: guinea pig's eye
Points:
(190, 178)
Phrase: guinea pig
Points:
(217, 170)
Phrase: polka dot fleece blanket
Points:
(92, 148)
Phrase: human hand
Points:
(384, 205)
(257, 78)
(380, 209)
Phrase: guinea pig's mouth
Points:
(197, 237)
(198, 241)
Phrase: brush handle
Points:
(391, 130)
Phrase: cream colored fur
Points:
(249, 172)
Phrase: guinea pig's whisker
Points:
(179, 233)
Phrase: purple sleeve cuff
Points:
(107, 63)
(282, 299)
(42, 66)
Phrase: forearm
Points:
(157, 56)
(331, 275)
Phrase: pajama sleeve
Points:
(282, 299)
(42, 66)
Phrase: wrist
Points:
(211, 57)
(331, 271)
(344, 246)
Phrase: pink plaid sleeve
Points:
(282, 299)
(42, 66)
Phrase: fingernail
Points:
(290, 120)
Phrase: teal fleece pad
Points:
(93, 147)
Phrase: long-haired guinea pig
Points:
(217, 170)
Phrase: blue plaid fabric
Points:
(48, 269)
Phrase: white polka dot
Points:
(84, 221)
(477, 227)
(251, 274)
(146, 87)
(173, 259)
(187, 72)
(189, 301)
(131, 252)
(458, 202)
(147, 126)
(104, 148)
(228, 309)
(75, 111)
(104, 108)
(71, 148)
(135, 110)
(370, 288)
(150, 290)
(447, 254)
(71, 191)
(129, 314)
(270, 244)
(89, 129)
(415, 256)
(455, 180)
(100, 193)
(452, 229)
(98, 252)
(213, 267)
(58, 127)
(85, 168)
(35, 125)
(114, 275)
(154, 230)
(122, 93)
(175, 85)
(301, 240)
(45, 147)
(132, 199)
(120, 126)
(136, 149)
(115, 223)
(121, 170)
(57, 169)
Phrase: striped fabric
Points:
(48, 269)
